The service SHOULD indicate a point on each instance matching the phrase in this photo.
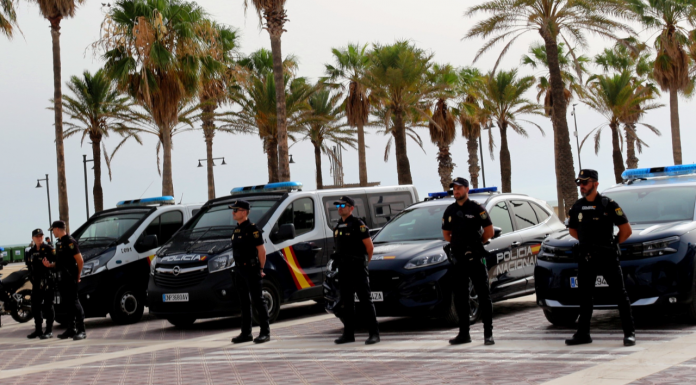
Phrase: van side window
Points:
(524, 215)
(332, 211)
(386, 206)
(165, 225)
(301, 214)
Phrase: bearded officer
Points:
(462, 225)
(249, 258)
(592, 221)
(353, 253)
(42, 285)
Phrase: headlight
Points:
(97, 265)
(153, 265)
(423, 261)
(221, 262)
(655, 248)
(329, 266)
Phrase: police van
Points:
(191, 277)
(657, 260)
(117, 246)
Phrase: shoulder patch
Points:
(256, 234)
(484, 215)
(619, 212)
(72, 246)
(363, 228)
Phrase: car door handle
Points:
(516, 243)
(314, 247)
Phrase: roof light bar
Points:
(279, 186)
(637, 173)
(154, 201)
(442, 194)
(483, 190)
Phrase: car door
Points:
(532, 234)
(163, 226)
(502, 273)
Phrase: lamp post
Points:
(214, 159)
(84, 163)
(48, 197)
(291, 161)
(577, 140)
(483, 171)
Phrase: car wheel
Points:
(128, 306)
(271, 296)
(23, 311)
(451, 316)
(181, 322)
(561, 317)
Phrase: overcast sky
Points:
(27, 145)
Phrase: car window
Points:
(301, 214)
(332, 211)
(524, 214)
(540, 212)
(422, 223)
(165, 225)
(386, 206)
(656, 205)
(500, 216)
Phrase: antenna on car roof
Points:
(182, 198)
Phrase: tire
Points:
(181, 322)
(128, 306)
(561, 317)
(271, 296)
(23, 312)
(451, 316)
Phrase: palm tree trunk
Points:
(561, 211)
(631, 159)
(505, 165)
(272, 154)
(282, 129)
(362, 161)
(674, 120)
(565, 170)
(474, 168)
(97, 192)
(317, 162)
(403, 167)
(209, 134)
(167, 181)
(616, 152)
(63, 209)
(445, 166)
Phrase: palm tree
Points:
(441, 125)
(472, 118)
(322, 125)
(98, 109)
(397, 80)
(671, 68)
(54, 11)
(502, 101)
(8, 18)
(387, 123)
(350, 65)
(273, 11)
(554, 20)
(153, 50)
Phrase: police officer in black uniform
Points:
(69, 267)
(249, 258)
(43, 285)
(592, 221)
(462, 225)
(353, 253)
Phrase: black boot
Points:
(70, 333)
(36, 334)
(344, 339)
(80, 336)
(630, 339)
(579, 339)
(373, 339)
(243, 337)
(264, 336)
(461, 338)
(48, 334)
(488, 336)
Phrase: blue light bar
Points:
(442, 194)
(683, 169)
(483, 190)
(155, 201)
(278, 186)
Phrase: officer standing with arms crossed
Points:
(592, 221)
(461, 226)
(69, 265)
(42, 285)
(249, 258)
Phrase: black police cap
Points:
(240, 204)
(345, 199)
(57, 225)
(586, 174)
(36, 232)
(459, 182)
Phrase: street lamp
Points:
(48, 196)
(577, 140)
(84, 163)
(291, 161)
(214, 159)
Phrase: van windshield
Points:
(656, 205)
(106, 229)
(221, 216)
(423, 223)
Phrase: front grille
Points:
(384, 280)
(172, 281)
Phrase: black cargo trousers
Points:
(249, 285)
(68, 288)
(470, 270)
(354, 280)
(606, 264)
(42, 297)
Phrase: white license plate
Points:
(178, 297)
(600, 282)
(56, 300)
(377, 296)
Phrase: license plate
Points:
(178, 297)
(377, 296)
(600, 282)
(56, 300)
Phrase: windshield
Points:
(221, 216)
(655, 205)
(416, 224)
(106, 229)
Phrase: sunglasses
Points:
(342, 206)
(235, 210)
(583, 182)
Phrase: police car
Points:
(657, 260)
(191, 277)
(117, 246)
(409, 271)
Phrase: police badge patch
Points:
(256, 234)
(484, 215)
(363, 229)
(619, 212)
(72, 246)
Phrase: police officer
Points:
(249, 258)
(353, 253)
(69, 267)
(462, 223)
(592, 220)
(42, 282)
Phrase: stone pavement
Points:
(413, 350)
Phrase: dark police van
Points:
(657, 260)
(191, 276)
(409, 271)
(117, 246)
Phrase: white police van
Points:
(191, 276)
(117, 246)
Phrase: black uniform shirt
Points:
(595, 221)
(465, 222)
(34, 260)
(245, 239)
(349, 235)
(66, 250)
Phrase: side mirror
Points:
(148, 242)
(496, 232)
(285, 232)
